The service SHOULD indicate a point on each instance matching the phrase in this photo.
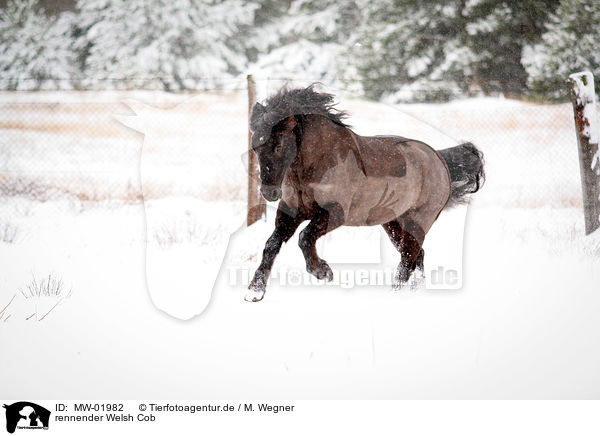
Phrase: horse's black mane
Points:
(294, 102)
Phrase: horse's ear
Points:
(258, 108)
(288, 125)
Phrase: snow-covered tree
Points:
(305, 40)
(430, 49)
(570, 44)
(413, 43)
(174, 44)
(35, 51)
(498, 32)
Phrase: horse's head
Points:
(274, 142)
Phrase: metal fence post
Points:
(583, 97)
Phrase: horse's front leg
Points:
(286, 223)
(324, 221)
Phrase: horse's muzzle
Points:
(271, 193)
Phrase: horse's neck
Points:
(322, 140)
(324, 145)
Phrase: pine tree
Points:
(498, 32)
(414, 46)
(432, 50)
(173, 44)
(305, 40)
(570, 44)
(35, 51)
(261, 33)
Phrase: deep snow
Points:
(523, 325)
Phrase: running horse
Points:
(322, 171)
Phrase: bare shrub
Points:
(187, 231)
(75, 188)
(224, 190)
(96, 190)
(221, 190)
(35, 190)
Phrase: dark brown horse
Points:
(324, 172)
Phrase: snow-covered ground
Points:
(524, 324)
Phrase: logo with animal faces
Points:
(26, 415)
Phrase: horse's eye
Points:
(278, 147)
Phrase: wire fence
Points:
(92, 147)
(87, 147)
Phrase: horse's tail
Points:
(465, 163)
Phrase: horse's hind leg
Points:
(286, 223)
(419, 273)
(407, 236)
(325, 220)
(421, 261)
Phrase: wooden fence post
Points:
(583, 97)
(256, 203)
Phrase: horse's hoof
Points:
(412, 282)
(417, 281)
(323, 271)
(400, 279)
(256, 292)
(399, 285)
(254, 295)
(402, 276)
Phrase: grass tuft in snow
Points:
(3, 315)
(50, 286)
(187, 231)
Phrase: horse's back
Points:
(372, 148)
(402, 175)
